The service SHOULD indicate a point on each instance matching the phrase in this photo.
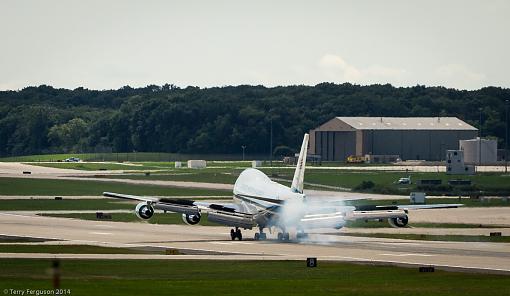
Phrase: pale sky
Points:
(109, 44)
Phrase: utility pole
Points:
(244, 147)
(506, 138)
(480, 140)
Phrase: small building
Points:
(479, 151)
(411, 138)
(455, 164)
(197, 164)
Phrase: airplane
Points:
(260, 202)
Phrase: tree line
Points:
(43, 119)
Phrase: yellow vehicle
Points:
(355, 159)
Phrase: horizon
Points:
(254, 85)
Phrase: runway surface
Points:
(214, 243)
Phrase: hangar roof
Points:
(398, 123)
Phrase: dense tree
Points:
(219, 119)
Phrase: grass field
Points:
(21, 239)
(351, 179)
(158, 218)
(467, 202)
(94, 166)
(181, 277)
(65, 204)
(223, 176)
(132, 156)
(28, 186)
(173, 218)
(385, 224)
(72, 249)
(337, 178)
(430, 237)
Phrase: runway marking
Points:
(101, 233)
(407, 254)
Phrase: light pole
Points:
(506, 138)
(244, 147)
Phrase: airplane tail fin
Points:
(299, 174)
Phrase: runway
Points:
(208, 242)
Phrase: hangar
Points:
(420, 138)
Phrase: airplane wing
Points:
(319, 216)
(223, 213)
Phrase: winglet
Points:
(299, 174)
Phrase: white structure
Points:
(256, 163)
(196, 164)
(417, 197)
(455, 163)
(178, 164)
(471, 148)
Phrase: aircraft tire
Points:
(286, 236)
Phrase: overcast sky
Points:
(109, 44)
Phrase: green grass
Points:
(430, 237)
(65, 204)
(384, 181)
(168, 166)
(173, 218)
(351, 179)
(158, 218)
(21, 239)
(385, 224)
(132, 156)
(73, 249)
(87, 166)
(29, 186)
(207, 175)
(467, 202)
(181, 277)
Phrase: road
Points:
(212, 243)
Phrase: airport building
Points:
(411, 138)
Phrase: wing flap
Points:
(429, 206)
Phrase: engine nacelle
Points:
(399, 221)
(144, 211)
(191, 219)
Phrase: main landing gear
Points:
(283, 236)
(236, 234)
(260, 235)
(301, 235)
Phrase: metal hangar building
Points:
(420, 138)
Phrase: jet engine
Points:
(144, 211)
(399, 221)
(191, 219)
